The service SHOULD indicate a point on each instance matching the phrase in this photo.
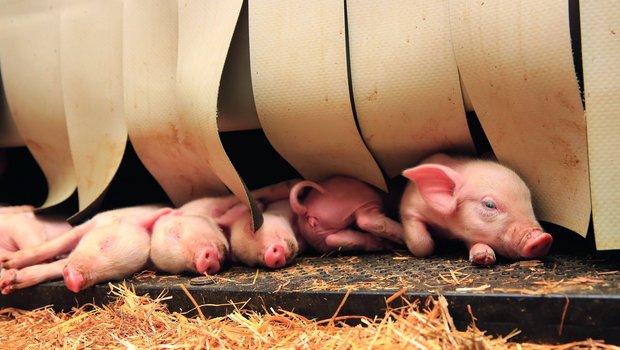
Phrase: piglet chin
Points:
(74, 279)
(207, 260)
(537, 246)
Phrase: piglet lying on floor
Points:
(275, 244)
(189, 239)
(111, 245)
(343, 213)
(482, 203)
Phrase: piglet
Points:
(109, 252)
(330, 212)
(274, 245)
(480, 202)
(143, 216)
(189, 239)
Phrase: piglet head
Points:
(188, 243)
(483, 202)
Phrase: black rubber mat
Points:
(558, 299)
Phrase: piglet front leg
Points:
(416, 236)
(481, 254)
(61, 244)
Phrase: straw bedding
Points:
(143, 322)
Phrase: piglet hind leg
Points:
(13, 279)
(374, 221)
(354, 240)
(481, 254)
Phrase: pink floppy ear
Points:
(148, 221)
(437, 185)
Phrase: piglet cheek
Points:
(538, 245)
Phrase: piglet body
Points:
(142, 216)
(482, 203)
(275, 244)
(112, 245)
(329, 212)
(109, 252)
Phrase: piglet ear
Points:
(148, 221)
(437, 185)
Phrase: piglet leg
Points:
(417, 238)
(31, 275)
(374, 221)
(355, 240)
(61, 244)
(481, 254)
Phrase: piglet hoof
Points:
(7, 279)
(207, 260)
(483, 258)
(275, 256)
(74, 280)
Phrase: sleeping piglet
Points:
(189, 239)
(143, 216)
(112, 245)
(108, 252)
(275, 244)
(480, 202)
(330, 212)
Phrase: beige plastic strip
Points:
(301, 89)
(236, 100)
(405, 83)
(9, 136)
(205, 33)
(600, 32)
(91, 71)
(29, 50)
(515, 60)
(150, 62)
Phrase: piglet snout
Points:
(275, 256)
(537, 245)
(207, 260)
(74, 280)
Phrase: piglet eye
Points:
(489, 204)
